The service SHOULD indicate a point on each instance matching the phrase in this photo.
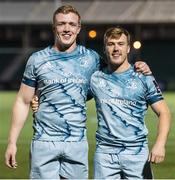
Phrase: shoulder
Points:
(138, 75)
(39, 55)
(91, 57)
(88, 51)
(94, 78)
(43, 52)
(96, 75)
(146, 80)
(97, 81)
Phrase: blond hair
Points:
(65, 10)
(116, 32)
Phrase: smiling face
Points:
(117, 49)
(66, 29)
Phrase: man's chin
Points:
(116, 63)
(65, 46)
(68, 41)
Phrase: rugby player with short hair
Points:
(122, 97)
(61, 75)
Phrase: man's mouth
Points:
(115, 55)
(66, 36)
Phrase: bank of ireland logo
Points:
(84, 62)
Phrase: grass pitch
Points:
(165, 170)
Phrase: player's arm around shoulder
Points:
(19, 116)
(142, 67)
(157, 153)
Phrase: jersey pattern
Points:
(122, 100)
(62, 83)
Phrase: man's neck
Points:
(120, 68)
(60, 48)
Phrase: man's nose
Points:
(66, 27)
(116, 47)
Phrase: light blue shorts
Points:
(122, 166)
(50, 160)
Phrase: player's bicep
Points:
(160, 107)
(26, 93)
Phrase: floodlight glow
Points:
(137, 44)
(92, 34)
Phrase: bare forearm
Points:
(163, 128)
(19, 115)
(157, 153)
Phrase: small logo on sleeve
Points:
(157, 86)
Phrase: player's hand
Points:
(142, 67)
(10, 156)
(34, 104)
(157, 154)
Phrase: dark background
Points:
(19, 36)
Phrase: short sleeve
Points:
(29, 76)
(154, 93)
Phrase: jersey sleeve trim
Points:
(29, 82)
(155, 99)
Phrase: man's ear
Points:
(129, 48)
(79, 28)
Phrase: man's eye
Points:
(121, 44)
(110, 44)
(59, 24)
(73, 24)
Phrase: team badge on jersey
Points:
(131, 84)
(66, 73)
(84, 62)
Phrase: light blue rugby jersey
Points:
(122, 100)
(62, 81)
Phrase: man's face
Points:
(117, 50)
(66, 29)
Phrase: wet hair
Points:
(65, 10)
(116, 32)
